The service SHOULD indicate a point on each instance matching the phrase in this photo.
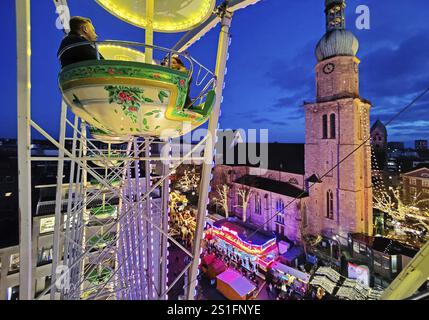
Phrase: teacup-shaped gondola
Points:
(125, 98)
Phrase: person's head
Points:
(176, 63)
(83, 27)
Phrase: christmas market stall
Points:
(352, 289)
(326, 279)
(292, 278)
(234, 286)
(211, 266)
(242, 245)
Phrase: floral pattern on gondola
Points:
(130, 99)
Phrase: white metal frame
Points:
(77, 251)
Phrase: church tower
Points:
(340, 197)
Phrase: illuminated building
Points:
(256, 249)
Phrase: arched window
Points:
(280, 205)
(280, 218)
(280, 214)
(325, 126)
(333, 128)
(258, 209)
(329, 205)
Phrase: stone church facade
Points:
(332, 199)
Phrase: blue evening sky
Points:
(271, 65)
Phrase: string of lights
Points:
(366, 140)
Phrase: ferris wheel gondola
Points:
(127, 97)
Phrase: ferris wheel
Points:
(111, 237)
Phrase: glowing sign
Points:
(232, 237)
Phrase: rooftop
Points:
(285, 157)
(386, 245)
(270, 185)
(246, 231)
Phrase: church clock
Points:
(328, 68)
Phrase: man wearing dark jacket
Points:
(81, 30)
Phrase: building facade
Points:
(415, 187)
(337, 132)
(421, 144)
(321, 197)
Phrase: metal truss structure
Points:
(111, 239)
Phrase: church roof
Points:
(314, 179)
(378, 124)
(271, 185)
(337, 43)
(285, 157)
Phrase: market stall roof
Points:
(237, 282)
(291, 271)
(246, 231)
(291, 254)
(215, 268)
(326, 278)
(169, 15)
(352, 289)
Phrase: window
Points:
(280, 218)
(44, 256)
(47, 225)
(280, 229)
(394, 264)
(413, 191)
(377, 259)
(386, 262)
(332, 126)
(280, 205)
(425, 191)
(425, 183)
(362, 249)
(325, 126)
(258, 204)
(14, 263)
(413, 181)
(356, 247)
(329, 205)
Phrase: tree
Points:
(189, 181)
(222, 198)
(307, 239)
(244, 194)
(392, 204)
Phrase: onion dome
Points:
(337, 41)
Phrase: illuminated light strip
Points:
(236, 241)
(235, 234)
(196, 18)
(265, 264)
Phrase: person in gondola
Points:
(177, 64)
(81, 30)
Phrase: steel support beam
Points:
(222, 54)
(23, 35)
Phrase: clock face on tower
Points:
(328, 68)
